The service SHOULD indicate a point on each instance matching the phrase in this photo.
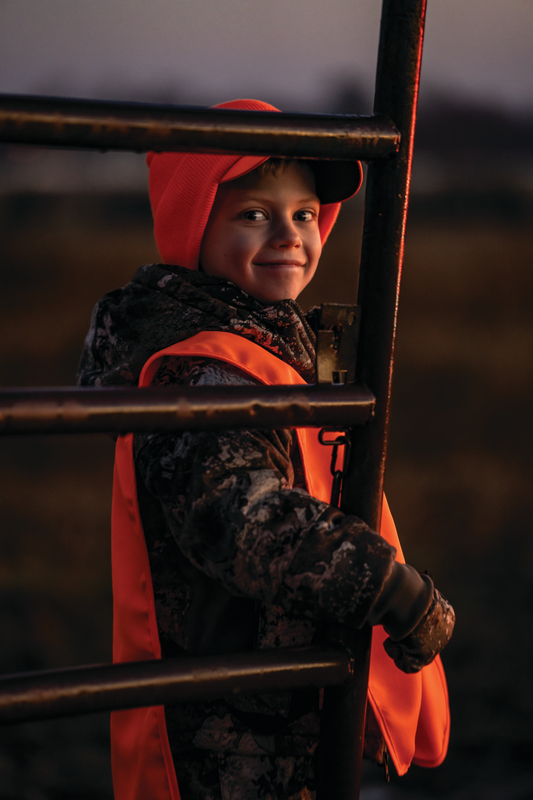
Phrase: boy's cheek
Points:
(310, 274)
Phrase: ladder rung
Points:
(111, 410)
(107, 125)
(84, 690)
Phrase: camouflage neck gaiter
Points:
(164, 304)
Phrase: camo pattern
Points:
(241, 555)
(213, 776)
(164, 304)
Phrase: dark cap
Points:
(336, 180)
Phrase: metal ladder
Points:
(385, 140)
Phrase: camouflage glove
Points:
(431, 635)
(418, 619)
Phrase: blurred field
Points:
(458, 480)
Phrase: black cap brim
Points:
(336, 180)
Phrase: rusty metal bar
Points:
(342, 726)
(398, 74)
(107, 125)
(387, 194)
(111, 410)
(85, 690)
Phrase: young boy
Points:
(224, 541)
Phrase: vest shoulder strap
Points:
(264, 367)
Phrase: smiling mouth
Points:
(279, 264)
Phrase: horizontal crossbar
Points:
(111, 410)
(106, 125)
(84, 690)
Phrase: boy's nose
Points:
(286, 234)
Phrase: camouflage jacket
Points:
(241, 555)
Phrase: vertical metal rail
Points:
(387, 194)
(396, 95)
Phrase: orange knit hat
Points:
(183, 188)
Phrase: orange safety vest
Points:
(412, 710)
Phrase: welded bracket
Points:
(336, 350)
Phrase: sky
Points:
(207, 51)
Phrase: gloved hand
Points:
(421, 646)
(418, 619)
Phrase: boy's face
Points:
(263, 234)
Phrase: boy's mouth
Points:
(279, 263)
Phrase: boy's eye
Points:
(304, 216)
(255, 215)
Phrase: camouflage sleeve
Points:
(230, 501)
